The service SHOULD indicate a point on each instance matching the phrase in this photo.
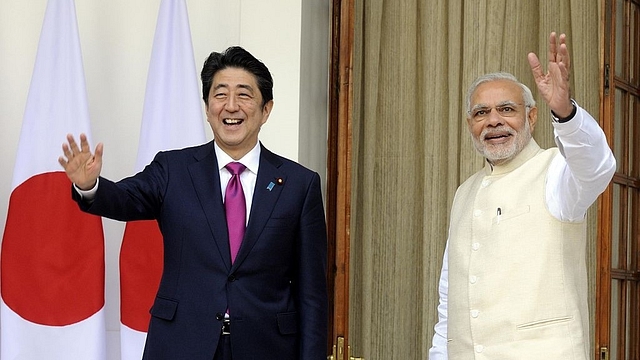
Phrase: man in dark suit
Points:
(265, 300)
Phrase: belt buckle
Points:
(226, 327)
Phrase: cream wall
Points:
(116, 38)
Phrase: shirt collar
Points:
(251, 159)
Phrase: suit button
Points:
(219, 316)
(231, 278)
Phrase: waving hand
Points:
(81, 166)
(554, 85)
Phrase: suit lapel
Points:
(268, 188)
(206, 181)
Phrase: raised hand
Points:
(554, 85)
(81, 166)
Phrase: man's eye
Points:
(219, 95)
(480, 112)
(505, 109)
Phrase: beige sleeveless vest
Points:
(517, 275)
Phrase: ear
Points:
(206, 108)
(470, 124)
(266, 111)
(533, 118)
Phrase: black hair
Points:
(236, 57)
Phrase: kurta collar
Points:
(525, 155)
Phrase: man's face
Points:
(499, 122)
(235, 111)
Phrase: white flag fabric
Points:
(172, 119)
(52, 256)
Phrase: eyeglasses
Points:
(482, 113)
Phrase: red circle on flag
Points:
(141, 257)
(52, 254)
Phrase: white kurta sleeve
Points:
(438, 350)
(582, 173)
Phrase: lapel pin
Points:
(280, 181)
(270, 186)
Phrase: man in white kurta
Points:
(514, 277)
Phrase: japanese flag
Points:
(172, 118)
(52, 256)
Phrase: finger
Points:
(564, 51)
(552, 47)
(98, 152)
(563, 77)
(66, 151)
(84, 143)
(73, 146)
(62, 162)
(536, 67)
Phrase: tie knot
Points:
(235, 168)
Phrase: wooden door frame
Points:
(605, 202)
(338, 193)
(605, 271)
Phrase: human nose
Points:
(231, 105)
(493, 117)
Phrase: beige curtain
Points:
(413, 61)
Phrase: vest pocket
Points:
(544, 322)
(503, 214)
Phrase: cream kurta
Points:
(517, 275)
(514, 286)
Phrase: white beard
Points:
(500, 154)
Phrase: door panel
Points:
(339, 177)
(618, 292)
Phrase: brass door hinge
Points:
(339, 351)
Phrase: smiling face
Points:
(235, 111)
(499, 122)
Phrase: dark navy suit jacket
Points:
(275, 290)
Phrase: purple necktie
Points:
(235, 207)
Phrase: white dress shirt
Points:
(248, 177)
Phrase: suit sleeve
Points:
(138, 197)
(312, 285)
